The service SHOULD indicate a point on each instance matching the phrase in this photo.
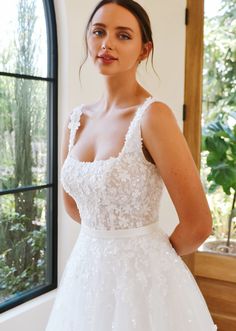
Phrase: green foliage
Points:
(220, 142)
(219, 73)
(23, 253)
(218, 156)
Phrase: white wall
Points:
(167, 17)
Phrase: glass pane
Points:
(218, 156)
(23, 42)
(23, 132)
(24, 237)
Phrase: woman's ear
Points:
(147, 47)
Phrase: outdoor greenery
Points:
(22, 247)
(23, 161)
(220, 142)
(218, 156)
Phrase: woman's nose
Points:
(107, 43)
(106, 47)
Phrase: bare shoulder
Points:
(164, 139)
(158, 113)
(90, 108)
(87, 111)
(160, 130)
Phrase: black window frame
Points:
(52, 78)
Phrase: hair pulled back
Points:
(134, 8)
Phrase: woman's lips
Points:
(106, 59)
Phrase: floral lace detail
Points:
(74, 124)
(128, 284)
(101, 188)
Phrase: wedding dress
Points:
(123, 274)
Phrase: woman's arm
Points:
(69, 202)
(168, 148)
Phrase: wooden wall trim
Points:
(193, 86)
(193, 76)
(220, 267)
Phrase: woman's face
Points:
(114, 32)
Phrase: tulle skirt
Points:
(127, 280)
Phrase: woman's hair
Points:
(134, 8)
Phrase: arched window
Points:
(28, 150)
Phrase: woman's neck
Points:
(121, 92)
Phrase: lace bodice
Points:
(119, 192)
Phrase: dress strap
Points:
(145, 106)
(134, 139)
(74, 123)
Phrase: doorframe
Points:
(193, 76)
(192, 108)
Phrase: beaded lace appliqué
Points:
(101, 188)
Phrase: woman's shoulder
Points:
(158, 112)
(87, 109)
(158, 123)
(81, 113)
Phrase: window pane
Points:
(23, 43)
(218, 156)
(24, 242)
(23, 132)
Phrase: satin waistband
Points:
(121, 233)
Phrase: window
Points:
(210, 120)
(28, 152)
(218, 152)
(210, 86)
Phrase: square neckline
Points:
(112, 158)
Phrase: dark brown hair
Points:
(138, 11)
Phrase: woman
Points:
(124, 273)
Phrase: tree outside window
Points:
(28, 188)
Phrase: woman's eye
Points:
(98, 32)
(124, 36)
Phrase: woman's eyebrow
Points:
(117, 28)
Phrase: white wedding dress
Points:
(123, 274)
